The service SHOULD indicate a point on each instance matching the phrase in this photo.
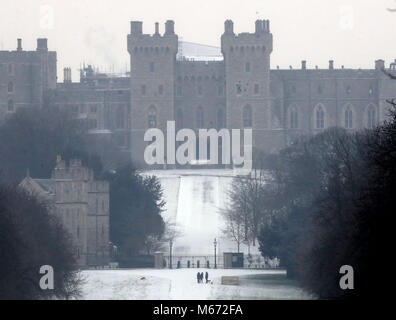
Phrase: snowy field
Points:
(194, 199)
(181, 284)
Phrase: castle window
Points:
(10, 105)
(160, 89)
(247, 116)
(10, 87)
(220, 119)
(256, 88)
(200, 118)
(371, 119)
(348, 118)
(238, 88)
(247, 67)
(152, 117)
(319, 117)
(120, 117)
(348, 89)
(151, 66)
(293, 118)
(143, 89)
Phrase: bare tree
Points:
(235, 225)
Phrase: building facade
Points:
(231, 87)
(82, 205)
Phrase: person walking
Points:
(202, 276)
(198, 277)
(206, 276)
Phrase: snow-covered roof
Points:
(198, 52)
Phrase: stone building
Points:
(82, 205)
(25, 77)
(229, 87)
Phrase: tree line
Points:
(323, 202)
(31, 139)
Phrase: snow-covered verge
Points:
(153, 284)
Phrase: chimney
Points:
(42, 44)
(229, 27)
(169, 27)
(331, 64)
(259, 26)
(379, 64)
(136, 27)
(157, 28)
(303, 65)
(67, 75)
(19, 48)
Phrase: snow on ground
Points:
(181, 284)
(194, 198)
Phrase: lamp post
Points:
(170, 253)
(215, 244)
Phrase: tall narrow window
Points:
(348, 118)
(120, 117)
(10, 87)
(238, 88)
(151, 66)
(143, 89)
(247, 67)
(371, 119)
(152, 117)
(319, 117)
(247, 116)
(200, 118)
(293, 118)
(10, 105)
(256, 88)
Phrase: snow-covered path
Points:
(181, 284)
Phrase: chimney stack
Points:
(331, 64)
(19, 48)
(157, 28)
(42, 44)
(379, 64)
(228, 27)
(136, 27)
(169, 27)
(303, 65)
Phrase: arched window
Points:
(371, 117)
(293, 118)
(247, 116)
(10, 87)
(120, 117)
(348, 123)
(200, 118)
(179, 118)
(319, 117)
(10, 105)
(152, 117)
(220, 119)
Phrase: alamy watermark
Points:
(186, 152)
(47, 280)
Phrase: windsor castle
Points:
(199, 87)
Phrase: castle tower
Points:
(153, 60)
(247, 71)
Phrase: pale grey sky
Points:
(354, 33)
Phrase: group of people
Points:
(200, 277)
